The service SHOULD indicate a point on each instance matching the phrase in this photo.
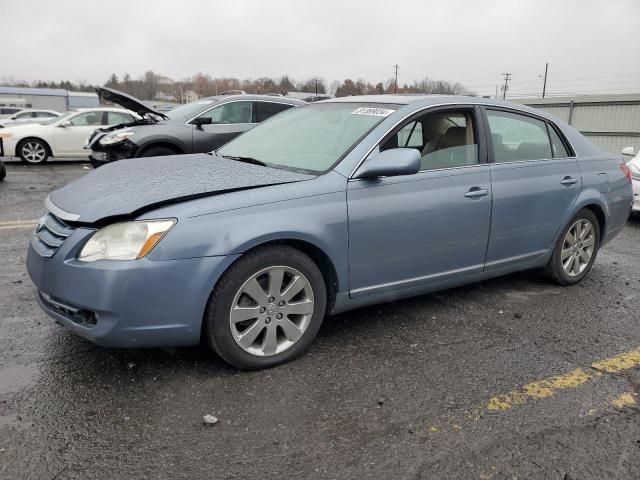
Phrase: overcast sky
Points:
(591, 45)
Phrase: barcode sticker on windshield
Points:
(378, 112)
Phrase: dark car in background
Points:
(197, 127)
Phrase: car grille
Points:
(50, 235)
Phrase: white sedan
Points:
(29, 116)
(64, 136)
(634, 166)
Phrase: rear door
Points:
(413, 230)
(227, 122)
(535, 181)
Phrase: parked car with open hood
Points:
(63, 136)
(29, 116)
(196, 127)
(318, 210)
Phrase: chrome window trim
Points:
(482, 105)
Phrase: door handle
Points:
(476, 192)
(569, 181)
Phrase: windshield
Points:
(310, 139)
(190, 110)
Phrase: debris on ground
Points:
(209, 419)
(130, 365)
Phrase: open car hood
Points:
(127, 101)
(130, 187)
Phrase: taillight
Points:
(626, 171)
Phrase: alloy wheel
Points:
(34, 152)
(271, 311)
(578, 247)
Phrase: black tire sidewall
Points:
(217, 331)
(157, 152)
(44, 145)
(556, 270)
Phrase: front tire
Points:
(576, 249)
(33, 151)
(158, 152)
(3, 171)
(266, 309)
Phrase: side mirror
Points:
(198, 122)
(391, 163)
(627, 151)
(65, 124)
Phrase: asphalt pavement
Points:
(510, 378)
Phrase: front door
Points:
(70, 139)
(413, 230)
(535, 182)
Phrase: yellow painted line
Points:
(549, 386)
(627, 399)
(624, 361)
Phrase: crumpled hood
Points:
(129, 187)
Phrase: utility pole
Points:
(395, 85)
(544, 86)
(506, 84)
(496, 92)
(316, 79)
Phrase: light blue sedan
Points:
(319, 210)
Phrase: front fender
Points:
(319, 220)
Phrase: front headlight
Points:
(125, 241)
(116, 137)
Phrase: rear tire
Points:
(576, 249)
(158, 152)
(3, 171)
(283, 318)
(33, 151)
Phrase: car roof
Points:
(420, 101)
(269, 98)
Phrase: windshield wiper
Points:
(252, 161)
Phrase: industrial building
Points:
(611, 122)
(46, 98)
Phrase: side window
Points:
(518, 137)
(444, 139)
(23, 115)
(559, 150)
(88, 119)
(115, 118)
(233, 112)
(43, 114)
(410, 136)
(269, 109)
